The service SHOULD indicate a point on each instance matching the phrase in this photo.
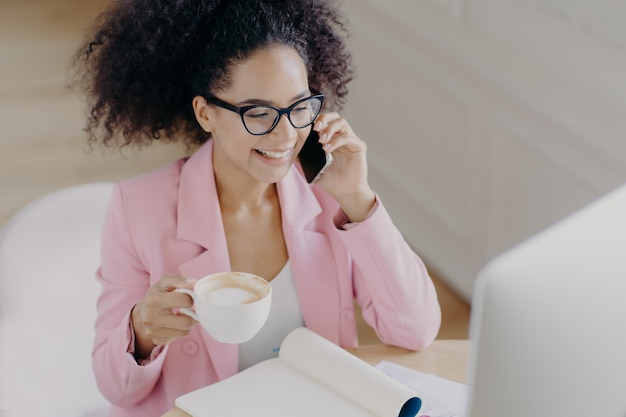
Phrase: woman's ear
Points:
(201, 110)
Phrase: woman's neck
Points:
(236, 192)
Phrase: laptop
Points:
(548, 324)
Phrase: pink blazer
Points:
(169, 221)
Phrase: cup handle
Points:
(187, 311)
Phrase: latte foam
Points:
(231, 296)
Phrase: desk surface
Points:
(444, 358)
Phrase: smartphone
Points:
(313, 159)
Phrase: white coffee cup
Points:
(231, 306)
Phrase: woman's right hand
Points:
(155, 320)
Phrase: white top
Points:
(285, 315)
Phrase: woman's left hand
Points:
(346, 178)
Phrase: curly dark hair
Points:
(143, 61)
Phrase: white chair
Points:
(49, 252)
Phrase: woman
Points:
(243, 81)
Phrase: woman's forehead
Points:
(273, 73)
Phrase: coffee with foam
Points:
(231, 306)
(230, 296)
(233, 289)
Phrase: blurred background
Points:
(486, 120)
(42, 145)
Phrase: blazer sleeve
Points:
(391, 283)
(124, 283)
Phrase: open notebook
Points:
(311, 377)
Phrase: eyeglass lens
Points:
(262, 119)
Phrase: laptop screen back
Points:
(548, 326)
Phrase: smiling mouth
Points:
(273, 154)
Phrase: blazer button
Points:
(190, 347)
(347, 316)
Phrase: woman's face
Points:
(274, 76)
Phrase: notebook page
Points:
(348, 375)
(269, 389)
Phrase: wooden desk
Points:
(444, 358)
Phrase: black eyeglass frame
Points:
(287, 110)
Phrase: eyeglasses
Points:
(262, 119)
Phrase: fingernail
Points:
(323, 138)
(318, 126)
(190, 280)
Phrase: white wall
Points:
(487, 120)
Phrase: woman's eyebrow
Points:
(262, 102)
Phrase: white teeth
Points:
(274, 155)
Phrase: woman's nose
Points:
(284, 128)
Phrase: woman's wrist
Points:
(358, 205)
(143, 344)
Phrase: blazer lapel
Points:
(312, 257)
(199, 215)
(200, 222)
